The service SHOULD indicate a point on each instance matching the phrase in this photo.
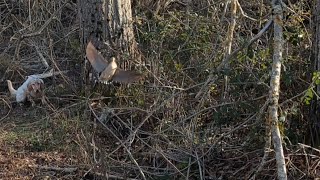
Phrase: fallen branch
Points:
(50, 74)
(104, 176)
(50, 168)
(43, 60)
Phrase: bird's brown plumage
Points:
(109, 71)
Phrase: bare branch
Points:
(212, 78)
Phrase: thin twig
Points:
(213, 78)
(43, 60)
(123, 145)
(8, 111)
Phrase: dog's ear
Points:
(30, 87)
(42, 85)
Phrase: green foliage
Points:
(179, 37)
(310, 93)
(287, 78)
(294, 35)
(316, 78)
(36, 144)
(308, 96)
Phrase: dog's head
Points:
(36, 85)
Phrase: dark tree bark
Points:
(313, 136)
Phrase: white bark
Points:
(275, 87)
(229, 45)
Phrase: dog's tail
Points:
(13, 92)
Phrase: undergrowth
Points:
(157, 127)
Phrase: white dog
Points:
(31, 89)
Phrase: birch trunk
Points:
(275, 87)
(229, 46)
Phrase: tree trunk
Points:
(108, 23)
(119, 30)
(313, 136)
(275, 87)
(91, 27)
(228, 48)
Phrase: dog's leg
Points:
(43, 99)
(30, 99)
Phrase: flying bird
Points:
(109, 70)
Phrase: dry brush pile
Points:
(167, 126)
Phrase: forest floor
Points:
(36, 144)
(61, 141)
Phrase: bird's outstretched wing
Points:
(123, 76)
(96, 60)
(109, 70)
